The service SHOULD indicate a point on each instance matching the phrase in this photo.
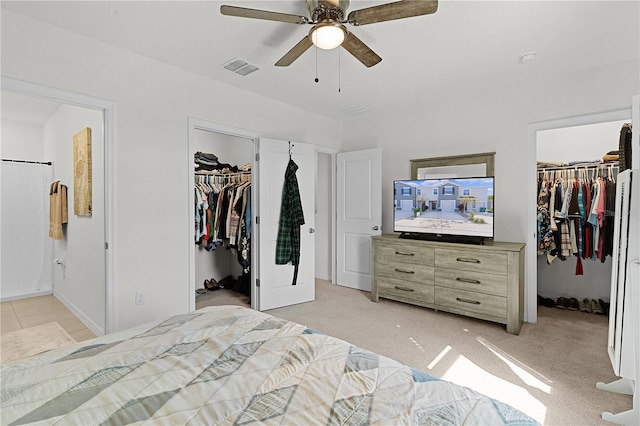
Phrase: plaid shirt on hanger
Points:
(291, 218)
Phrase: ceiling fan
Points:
(328, 19)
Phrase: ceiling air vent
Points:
(353, 109)
(240, 67)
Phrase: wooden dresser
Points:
(481, 281)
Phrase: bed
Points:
(232, 365)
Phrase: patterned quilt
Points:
(232, 365)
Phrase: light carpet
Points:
(30, 341)
(549, 371)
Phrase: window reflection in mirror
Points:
(470, 165)
(468, 170)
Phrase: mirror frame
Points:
(486, 158)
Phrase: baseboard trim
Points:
(97, 330)
(323, 277)
(25, 296)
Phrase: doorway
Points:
(222, 188)
(93, 306)
(221, 137)
(535, 133)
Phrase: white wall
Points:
(153, 100)
(81, 285)
(21, 141)
(232, 150)
(582, 143)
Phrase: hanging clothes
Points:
(291, 218)
(624, 146)
(220, 210)
(575, 213)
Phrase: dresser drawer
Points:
(406, 253)
(472, 260)
(472, 281)
(410, 290)
(406, 271)
(486, 304)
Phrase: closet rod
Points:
(579, 167)
(199, 173)
(48, 163)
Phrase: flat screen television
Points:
(458, 209)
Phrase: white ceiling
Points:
(464, 46)
(27, 109)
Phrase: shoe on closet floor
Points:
(211, 284)
(596, 308)
(549, 303)
(573, 304)
(585, 306)
(561, 303)
(545, 301)
(605, 306)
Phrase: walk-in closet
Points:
(576, 174)
(222, 221)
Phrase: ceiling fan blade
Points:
(295, 52)
(391, 11)
(361, 51)
(244, 12)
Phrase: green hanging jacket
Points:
(291, 218)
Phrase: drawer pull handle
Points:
(467, 260)
(466, 280)
(473, 302)
(404, 288)
(404, 254)
(404, 272)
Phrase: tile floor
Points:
(39, 310)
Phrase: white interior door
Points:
(275, 281)
(359, 215)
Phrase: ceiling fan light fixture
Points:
(328, 35)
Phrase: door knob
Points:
(375, 228)
(311, 230)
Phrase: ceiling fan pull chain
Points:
(339, 74)
(316, 80)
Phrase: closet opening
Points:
(220, 164)
(569, 256)
(221, 235)
(577, 170)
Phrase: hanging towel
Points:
(291, 218)
(58, 214)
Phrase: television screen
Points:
(461, 207)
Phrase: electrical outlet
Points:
(141, 297)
